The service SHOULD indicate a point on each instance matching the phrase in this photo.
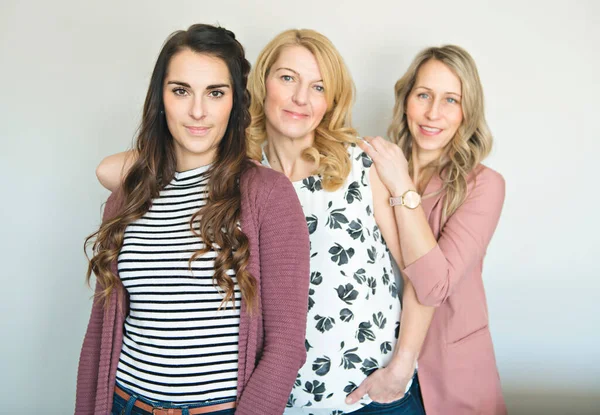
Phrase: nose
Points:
(300, 96)
(433, 111)
(197, 108)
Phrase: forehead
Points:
(300, 60)
(436, 75)
(197, 69)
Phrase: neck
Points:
(420, 159)
(285, 155)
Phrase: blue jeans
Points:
(410, 404)
(123, 407)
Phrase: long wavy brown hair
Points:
(217, 222)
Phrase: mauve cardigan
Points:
(271, 341)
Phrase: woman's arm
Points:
(389, 384)
(284, 268)
(435, 267)
(112, 169)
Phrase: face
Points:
(433, 108)
(198, 97)
(295, 98)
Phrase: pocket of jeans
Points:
(392, 404)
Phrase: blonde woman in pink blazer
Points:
(447, 206)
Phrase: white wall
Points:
(74, 75)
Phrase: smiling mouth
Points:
(430, 130)
(297, 115)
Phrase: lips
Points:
(427, 130)
(295, 115)
(197, 131)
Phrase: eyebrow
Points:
(291, 70)
(186, 85)
(429, 89)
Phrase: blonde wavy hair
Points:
(473, 139)
(334, 133)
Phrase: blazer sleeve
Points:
(462, 242)
(284, 265)
(89, 358)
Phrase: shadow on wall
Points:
(552, 402)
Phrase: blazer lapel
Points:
(432, 195)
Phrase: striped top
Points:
(177, 346)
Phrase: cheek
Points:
(456, 118)
(319, 106)
(412, 111)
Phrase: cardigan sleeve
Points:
(284, 268)
(462, 243)
(89, 358)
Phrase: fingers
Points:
(378, 143)
(358, 393)
(367, 148)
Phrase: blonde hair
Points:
(473, 139)
(334, 132)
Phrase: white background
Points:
(74, 75)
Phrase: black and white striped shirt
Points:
(177, 346)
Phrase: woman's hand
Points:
(385, 385)
(390, 163)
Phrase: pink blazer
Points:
(457, 367)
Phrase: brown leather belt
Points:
(174, 411)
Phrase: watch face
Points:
(412, 199)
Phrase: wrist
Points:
(403, 362)
(401, 185)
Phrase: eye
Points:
(319, 88)
(287, 78)
(180, 92)
(217, 93)
(423, 95)
(451, 100)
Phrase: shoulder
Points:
(260, 180)
(487, 178)
(486, 187)
(258, 184)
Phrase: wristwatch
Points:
(410, 199)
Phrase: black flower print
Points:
(350, 358)
(372, 252)
(312, 184)
(351, 336)
(379, 320)
(336, 218)
(346, 315)
(360, 276)
(366, 160)
(312, 221)
(386, 277)
(316, 388)
(385, 347)
(351, 387)
(394, 290)
(353, 192)
(356, 231)
(369, 366)
(339, 255)
(321, 365)
(364, 332)
(324, 323)
(347, 293)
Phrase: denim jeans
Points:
(410, 404)
(123, 407)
